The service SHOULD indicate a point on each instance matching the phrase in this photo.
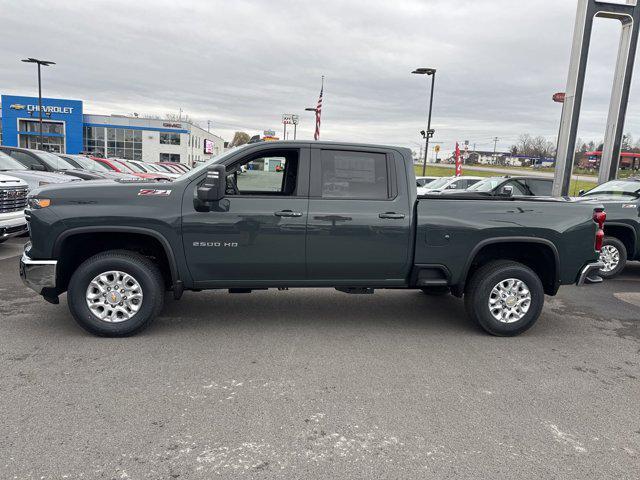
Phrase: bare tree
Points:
(174, 117)
(534, 146)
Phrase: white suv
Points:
(13, 201)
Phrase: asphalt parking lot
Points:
(319, 384)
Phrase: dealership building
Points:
(67, 129)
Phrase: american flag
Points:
(316, 135)
(458, 161)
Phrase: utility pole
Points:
(495, 144)
(208, 126)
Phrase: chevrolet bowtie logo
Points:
(17, 106)
(113, 297)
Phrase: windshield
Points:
(89, 164)
(55, 162)
(486, 185)
(7, 163)
(439, 183)
(121, 166)
(152, 168)
(617, 189)
(133, 167)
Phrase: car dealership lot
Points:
(319, 384)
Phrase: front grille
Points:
(13, 199)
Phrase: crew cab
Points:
(621, 198)
(339, 215)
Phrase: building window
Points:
(170, 157)
(169, 138)
(124, 143)
(93, 140)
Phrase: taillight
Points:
(599, 216)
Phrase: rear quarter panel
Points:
(450, 231)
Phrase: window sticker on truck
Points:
(152, 192)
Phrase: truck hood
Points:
(95, 188)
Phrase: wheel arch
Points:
(511, 249)
(626, 234)
(172, 266)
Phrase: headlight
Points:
(37, 203)
(42, 184)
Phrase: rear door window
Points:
(540, 188)
(357, 175)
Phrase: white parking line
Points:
(629, 297)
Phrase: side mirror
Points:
(37, 167)
(506, 191)
(581, 193)
(214, 187)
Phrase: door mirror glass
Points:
(214, 186)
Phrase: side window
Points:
(273, 174)
(540, 188)
(471, 182)
(358, 175)
(24, 158)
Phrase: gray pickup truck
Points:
(302, 214)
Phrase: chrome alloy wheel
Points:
(610, 256)
(509, 300)
(114, 296)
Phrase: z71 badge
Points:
(154, 193)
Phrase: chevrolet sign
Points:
(17, 106)
(50, 109)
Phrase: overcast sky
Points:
(241, 64)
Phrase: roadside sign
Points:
(289, 119)
(437, 148)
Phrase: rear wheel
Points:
(504, 297)
(614, 257)
(116, 293)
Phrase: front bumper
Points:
(589, 274)
(38, 275)
(15, 225)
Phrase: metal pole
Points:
(426, 147)
(284, 135)
(295, 129)
(40, 105)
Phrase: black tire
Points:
(435, 291)
(145, 272)
(616, 245)
(478, 293)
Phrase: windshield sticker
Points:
(154, 193)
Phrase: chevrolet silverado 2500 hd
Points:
(303, 214)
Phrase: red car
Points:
(119, 165)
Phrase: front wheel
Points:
(504, 297)
(614, 257)
(116, 293)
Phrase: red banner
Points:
(458, 161)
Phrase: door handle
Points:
(287, 213)
(392, 215)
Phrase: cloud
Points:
(242, 64)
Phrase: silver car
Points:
(34, 178)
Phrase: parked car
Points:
(151, 168)
(423, 181)
(121, 166)
(34, 178)
(182, 167)
(443, 184)
(341, 216)
(13, 201)
(87, 163)
(621, 198)
(516, 186)
(47, 162)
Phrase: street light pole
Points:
(46, 63)
(429, 133)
